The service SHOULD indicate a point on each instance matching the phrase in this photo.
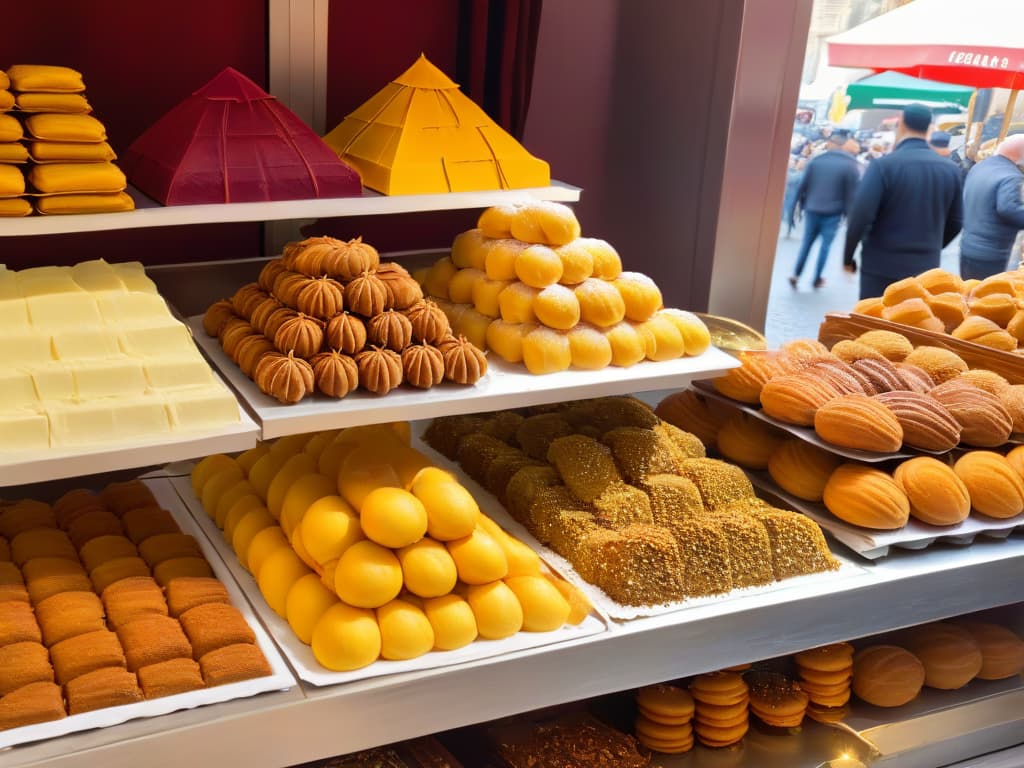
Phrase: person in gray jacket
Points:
(993, 211)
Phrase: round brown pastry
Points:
(188, 592)
(997, 307)
(776, 700)
(308, 256)
(423, 365)
(287, 286)
(894, 347)
(1016, 325)
(938, 280)
(984, 421)
(303, 335)
(914, 379)
(936, 495)
(123, 497)
(349, 260)
(128, 599)
(463, 363)
(747, 441)
(887, 675)
(285, 377)
(335, 374)
(987, 380)
(233, 336)
(941, 364)
(859, 422)
(851, 351)
(912, 311)
(88, 526)
(745, 383)
(43, 542)
(871, 307)
(246, 298)
(321, 298)
(230, 325)
(263, 311)
(214, 625)
(390, 329)
(403, 290)
(981, 330)
(866, 497)
(269, 274)
(380, 370)
(949, 308)
(1002, 650)
(949, 653)
(693, 413)
(842, 377)
(903, 290)
(74, 503)
(925, 421)
(1012, 399)
(366, 295)
(179, 567)
(802, 469)
(881, 373)
(836, 657)
(429, 322)
(800, 352)
(216, 315)
(795, 398)
(346, 333)
(995, 487)
(276, 319)
(250, 351)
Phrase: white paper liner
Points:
(506, 385)
(281, 677)
(914, 535)
(301, 655)
(490, 505)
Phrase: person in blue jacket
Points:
(908, 207)
(993, 211)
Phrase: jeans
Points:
(979, 269)
(815, 225)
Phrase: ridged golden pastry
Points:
(842, 377)
(926, 422)
(941, 364)
(101, 688)
(892, 346)
(915, 379)
(987, 380)
(981, 330)
(1012, 399)
(748, 441)
(938, 280)
(912, 311)
(1015, 457)
(866, 497)
(800, 352)
(997, 307)
(883, 375)
(745, 383)
(802, 469)
(949, 653)
(850, 351)
(692, 413)
(1001, 283)
(871, 307)
(859, 422)
(795, 398)
(1016, 325)
(983, 419)
(949, 308)
(887, 675)
(936, 495)
(718, 481)
(902, 290)
(1002, 650)
(995, 487)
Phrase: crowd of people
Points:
(903, 203)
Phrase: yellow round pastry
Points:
(247, 459)
(866, 497)
(607, 264)
(435, 282)
(640, 295)
(579, 604)
(538, 266)
(469, 249)
(546, 351)
(902, 290)
(541, 221)
(368, 575)
(308, 600)
(749, 442)
(393, 517)
(802, 469)
(263, 544)
(452, 512)
(666, 700)
(281, 569)
(296, 466)
(833, 658)
(1002, 650)
(300, 549)
(662, 339)
(544, 608)
(496, 610)
(427, 568)
(557, 307)
(289, 445)
(1016, 459)
(405, 632)
(216, 485)
(522, 561)
(485, 295)
(346, 638)
(329, 462)
(577, 262)
(500, 261)
(627, 343)
(329, 527)
(478, 558)
(320, 440)
(589, 348)
(264, 470)
(994, 486)
(950, 656)
(516, 303)
(460, 289)
(506, 339)
(366, 469)
(246, 530)
(887, 675)
(696, 337)
(239, 510)
(941, 364)
(227, 500)
(452, 620)
(894, 347)
(601, 304)
(936, 495)
(207, 468)
(301, 495)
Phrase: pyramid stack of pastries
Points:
(988, 312)
(631, 501)
(84, 616)
(370, 552)
(92, 356)
(526, 286)
(68, 162)
(328, 316)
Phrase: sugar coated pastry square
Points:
(84, 653)
(164, 546)
(233, 663)
(151, 639)
(24, 515)
(621, 504)
(142, 522)
(170, 677)
(22, 664)
(637, 565)
(131, 598)
(122, 497)
(18, 624)
(30, 704)
(101, 688)
(187, 592)
(67, 614)
(175, 568)
(215, 625)
(41, 543)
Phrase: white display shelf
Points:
(149, 213)
(277, 730)
(505, 386)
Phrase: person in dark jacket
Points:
(993, 211)
(908, 207)
(825, 194)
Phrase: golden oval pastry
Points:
(937, 496)
(692, 413)
(748, 441)
(668, 700)
(802, 469)
(949, 653)
(941, 364)
(915, 379)
(892, 346)
(850, 351)
(949, 308)
(1012, 399)
(881, 374)
(987, 380)
(938, 280)
(995, 487)
(867, 497)
(997, 307)
(795, 398)
(887, 675)
(835, 657)
(995, 284)
(839, 375)
(1002, 650)
(903, 290)
(1015, 327)
(983, 419)
(858, 421)
(981, 330)
(801, 351)
(926, 422)
(871, 307)
(912, 311)
(745, 383)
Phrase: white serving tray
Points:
(281, 677)
(914, 535)
(301, 656)
(505, 386)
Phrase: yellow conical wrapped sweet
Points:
(301, 495)
(346, 638)
(541, 221)
(207, 468)
(217, 485)
(515, 303)
(408, 462)
(496, 221)
(496, 609)
(544, 608)
(227, 499)
(628, 347)
(365, 470)
(589, 348)
(579, 604)
(600, 303)
(473, 325)
(522, 561)
(262, 546)
(329, 527)
(452, 512)
(460, 289)
(427, 568)
(277, 574)
(308, 600)
(249, 458)
(393, 517)
(478, 558)
(368, 575)
(452, 620)
(557, 307)
(546, 351)
(506, 339)
(405, 632)
(298, 465)
(329, 462)
(538, 266)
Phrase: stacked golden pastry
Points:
(631, 501)
(103, 602)
(370, 552)
(328, 316)
(526, 286)
(70, 164)
(664, 715)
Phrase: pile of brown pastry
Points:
(879, 393)
(631, 501)
(103, 602)
(328, 316)
(988, 312)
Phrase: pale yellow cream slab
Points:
(16, 388)
(202, 408)
(84, 343)
(97, 275)
(169, 373)
(135, 417)
(24, 350)
(106, 378)
(53, 382)
(40, 281)
(9, 285)
(74, 424)
(156, 341)
(14, 316)
(132, 308)
(23, 431)
(133, 275)
(56, 311)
